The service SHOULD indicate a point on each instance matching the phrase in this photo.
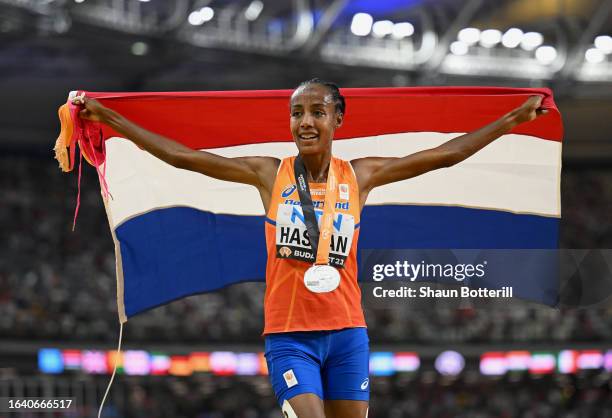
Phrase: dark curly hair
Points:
(333, 89)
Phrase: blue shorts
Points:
(333, 365)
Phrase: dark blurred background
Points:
(57, 287)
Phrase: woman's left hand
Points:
(528, 111)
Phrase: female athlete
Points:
(317, 346)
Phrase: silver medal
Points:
(321, 279)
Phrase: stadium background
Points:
(199, 357)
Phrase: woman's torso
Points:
(289, 305)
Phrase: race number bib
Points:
(292, 237)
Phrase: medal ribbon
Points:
(319, 241)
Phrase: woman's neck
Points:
(317, 166)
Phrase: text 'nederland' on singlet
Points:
(288, 304)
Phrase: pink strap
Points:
(88, 136)
(78, 203)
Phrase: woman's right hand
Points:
(256, 171)
(92, 109)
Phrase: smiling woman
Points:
(317, 346)
(317, 110)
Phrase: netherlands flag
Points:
(179, 233)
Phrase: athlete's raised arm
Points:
(377, 171)
(256, 171)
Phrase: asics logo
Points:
(365, 384)
(288, 190)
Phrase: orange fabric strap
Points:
(327, 219)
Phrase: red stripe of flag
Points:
(220, 119)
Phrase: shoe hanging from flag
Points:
(179, 233)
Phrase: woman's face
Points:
(313, 119)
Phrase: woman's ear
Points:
(339, 119)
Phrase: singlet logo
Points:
(343, 190)
(290, 378)
(288, 190)
(319, 204)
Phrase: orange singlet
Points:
(288, 305)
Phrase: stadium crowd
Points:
(424, 395)
(60, 285)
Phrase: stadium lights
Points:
(531, 40)
(542, 363)
(546, 54)
(195, 19)
(594, 56)
(459, 48)
(207, 13)
(140, 48)
(402, 30)
(590, 360)
(490, 37)
(469, 36)
(254, 10)
(493, 364)
(361, 24)
(199, 17)
(382, 28)
(604, 44)
(449, 363)
(512, 38)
